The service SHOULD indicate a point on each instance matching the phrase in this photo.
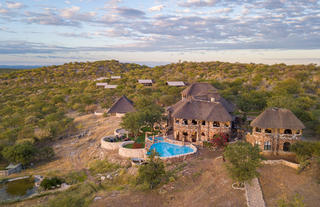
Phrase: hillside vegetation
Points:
(34, 103)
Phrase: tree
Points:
(23, 153)
(152, 173)
(243, 160)
(151, 114)
(133, 122)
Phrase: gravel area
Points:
(254, 194)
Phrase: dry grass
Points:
(279, 182)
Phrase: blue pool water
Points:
(166, 149)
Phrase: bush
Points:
(219, 140)
(49, 183)
(243, 160)
(23, 153)
(151, 174)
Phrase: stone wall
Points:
(110, 145)
(132, 153)
(276, 140)
(199, 131)
(282, 162)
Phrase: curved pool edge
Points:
(182, 156)
(179, 143)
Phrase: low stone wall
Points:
(283, 162)
(120, 132)
(110, 145)
(131, 153)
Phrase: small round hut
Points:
(275, 130)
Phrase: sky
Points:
(154, 32)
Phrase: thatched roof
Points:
(145, 81)
(277, 118)
(175, 83)
(215, 96)
(200, 110)
(122, 105)
(198, 89)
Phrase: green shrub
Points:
(151, 174)
(49, 183)
(23, 153)
(243, 160)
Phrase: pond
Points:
(17, 189)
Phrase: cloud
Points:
(156, 8)
(129, 12)
(14, 5)
(69, 12)
(198, 3)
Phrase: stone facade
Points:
(274, 140)
(198, 131)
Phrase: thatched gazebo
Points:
(122, 106)
(275, 129)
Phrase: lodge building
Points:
(275, 130)
(200, 114)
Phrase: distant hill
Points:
(20, 66)
(34, 103)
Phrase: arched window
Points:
(287, 131)
(185, 134)
(226, 125)
(185, 122)
(286, 146)
(203, 123)
(194, 122)
(258, 129)
(298, 132)
(268, 131)
(194, 137)
(177, 121)
(216, 124)
(203, 134)
(267, 145)
(178, 137)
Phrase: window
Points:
(287, 131)
(185, 122)
(226, 125)
(177, 121)
(268, 131)
(267, 145)
(194, 122)
(216, 124)
(185, 134)
(286, 147)
(258, 129)
(298, 132)
(203, 123)
(203, 134)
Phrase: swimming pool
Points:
(166, 149)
